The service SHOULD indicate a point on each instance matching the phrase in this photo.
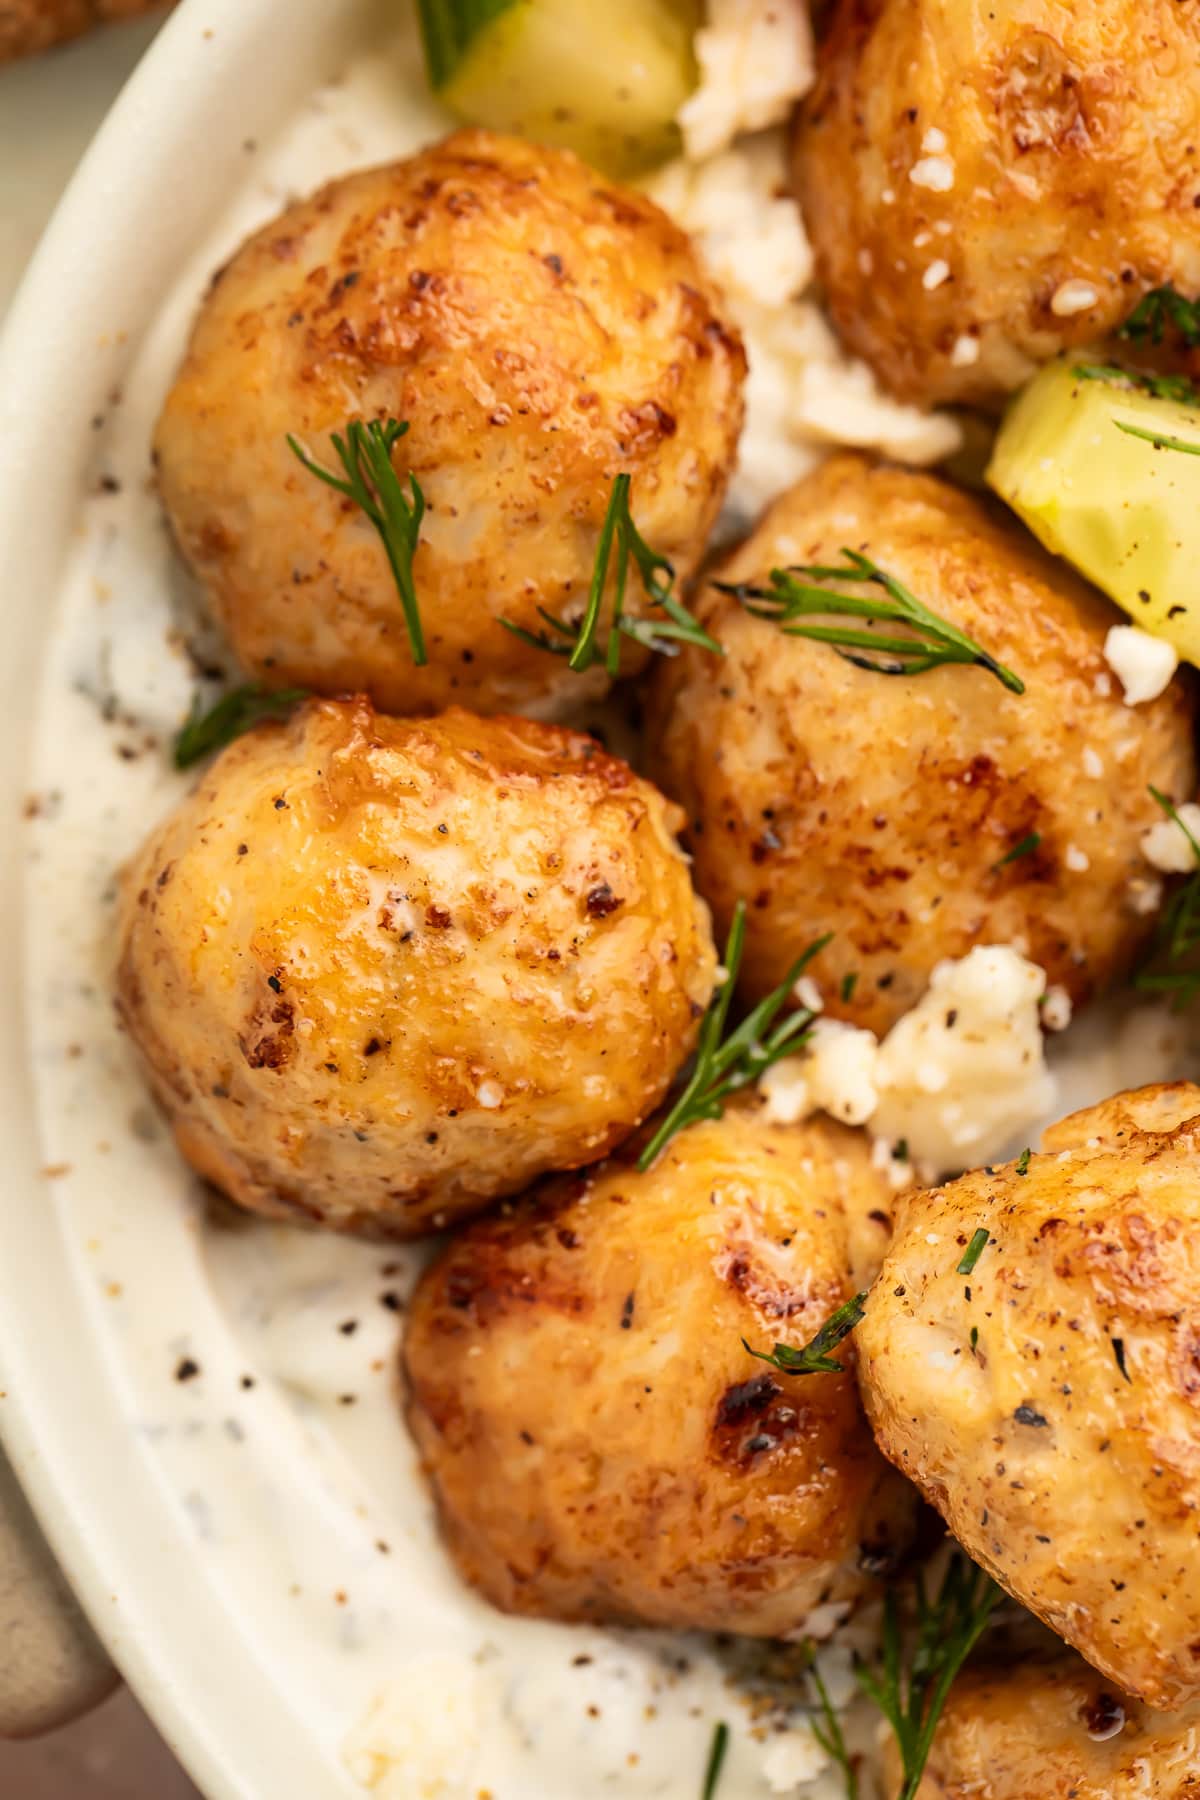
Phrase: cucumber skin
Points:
(534, 68)
(448, 28)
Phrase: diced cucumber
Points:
(602, 77)
(1123, 508)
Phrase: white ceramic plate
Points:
(203, 1413)
(103, 1455)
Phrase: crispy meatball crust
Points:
(381, 971)
(587, 1341)
(1062, 1446)
(985, 185)
(1055, 1731)
(875, 807)
(540, 330)
(28, 26)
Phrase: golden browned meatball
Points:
(1048, 1402)
(381, 971)
(880, 808)
(600, 1443)
(539, 329)
(1055, 1730)
(27, 26)
(986, 184)
(1158, 1108)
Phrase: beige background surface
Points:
(49, 109)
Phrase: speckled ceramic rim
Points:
(165, 160)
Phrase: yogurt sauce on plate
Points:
(258, 1364)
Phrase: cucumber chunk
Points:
(1123, 508)
(605, 80)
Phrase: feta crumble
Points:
(840, 1071)
(978, 1027)
(1143, 664)
(1165, 846)
(1056, 1009)
(933, 172)
(420, 1740)
(756, 61)
(804, 394)
(956, 1079)
(793, 1758)
(1071, 297)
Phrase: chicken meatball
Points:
(381, 971)
(539, 330)
(986, 185)
(28, 26)
(1048, 1401)
(915, 817)
(1058, 1731)
(587, 1340)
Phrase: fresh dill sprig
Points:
(1160, 311)
(1023, 1161)
(1171, 967)
(814, 1357)
(1162, 440)
(725, 1064)
(716, 1760)
(370, 480)
(203, 731)
(911, 1692)
(796, 594)
(1162, 387)
(580, 643)
(829, 1733)
(974, 1250)
(1028, 844)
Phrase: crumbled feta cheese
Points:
(934, 141)
(1143, 664)
(1166, 844)
(965, 352)
(756, 61)
(978, 1025)
(490, 1094)
(840, 1068)
(836, 400)
(793, 1758)
(1071, 297)
(785, 1092)
(884, 1160)
(955, 1080)
(1056, 1008)
(803, 393)
(420, 1739)
(1076, 859)
(747, 226)
(1144, 895)
(933, 172)
(935, 275)
(809, 994)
